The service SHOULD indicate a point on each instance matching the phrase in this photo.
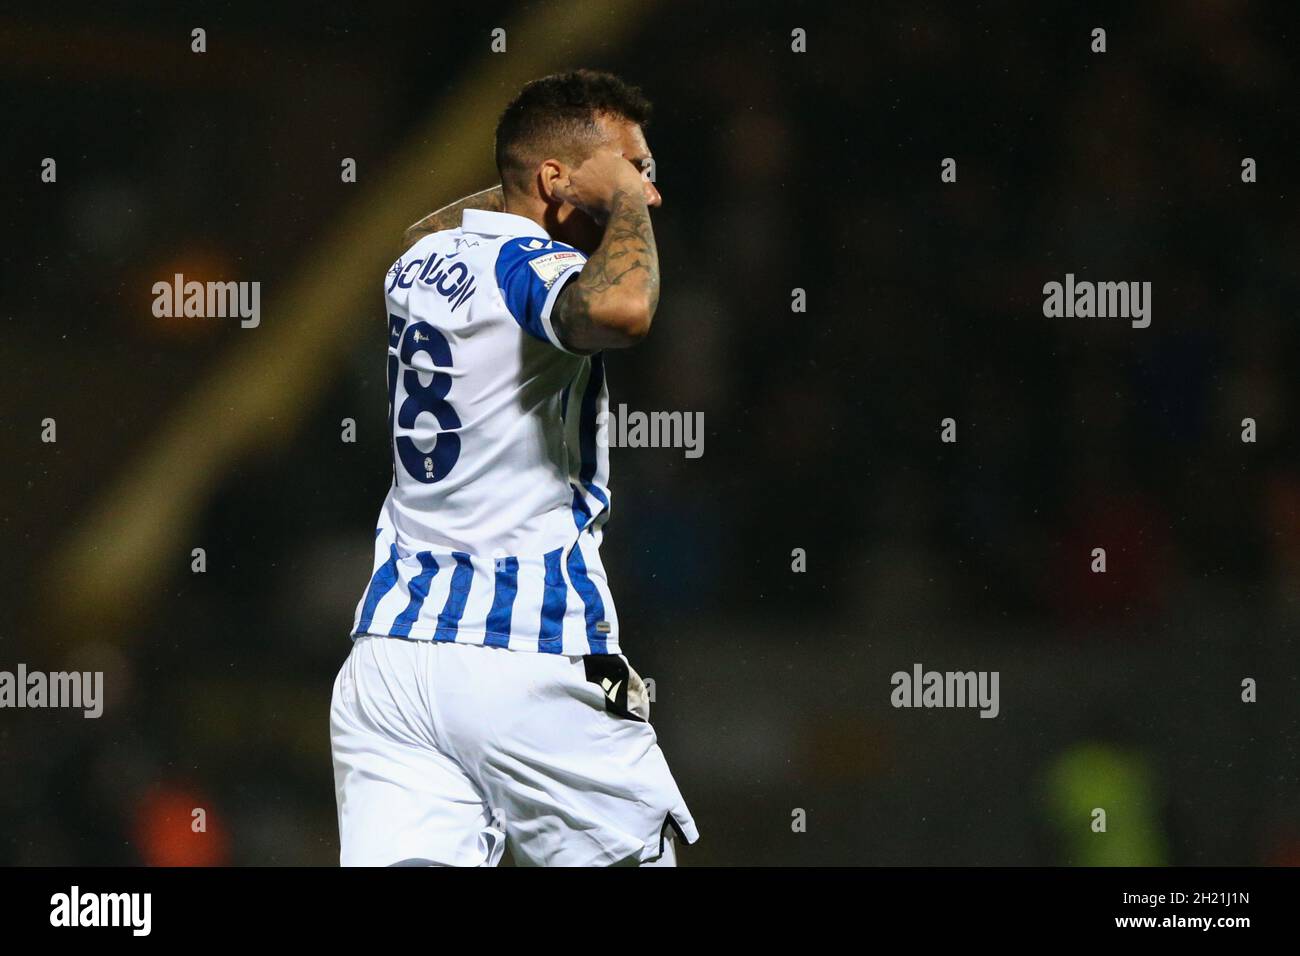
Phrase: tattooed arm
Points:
(613, 300)
(448, 217)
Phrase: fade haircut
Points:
(555, 117)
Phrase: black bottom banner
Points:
(307, 905)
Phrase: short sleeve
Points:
(530, 273)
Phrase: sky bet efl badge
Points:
(551, 267)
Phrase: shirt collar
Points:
(486, 223)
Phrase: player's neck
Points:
(530, 207)
(557, 219)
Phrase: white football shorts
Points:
(445, 753)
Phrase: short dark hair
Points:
(556, 116)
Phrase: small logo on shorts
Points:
(611, 689)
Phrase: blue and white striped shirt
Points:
(491, 531)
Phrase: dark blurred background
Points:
(779, 170)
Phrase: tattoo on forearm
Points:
(627, 261)
(448, 217)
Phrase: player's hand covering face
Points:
(592, 186)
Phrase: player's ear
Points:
(552, 179)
